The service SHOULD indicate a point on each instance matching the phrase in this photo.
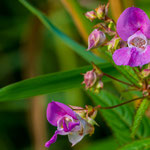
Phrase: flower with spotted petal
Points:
(133, 26)
(67, 122)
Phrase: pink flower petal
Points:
(139, 58)
(122, 56)
(56, 110)
(132, 20)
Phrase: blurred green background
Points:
(27, 49)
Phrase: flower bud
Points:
(92, 79)
(96, 38)
(146, 73)
(113, 44)
(91, 15)
(100, 11)
(89, 79)
(88, 113)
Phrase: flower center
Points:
(138, 40)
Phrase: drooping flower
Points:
(133, 26)
(95, 39)
(67, 122)
(91, 15)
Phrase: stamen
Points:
(138, 42)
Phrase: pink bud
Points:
(96, 38)
(89, 79)
(91, 15)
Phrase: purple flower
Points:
(67, 123)
(95, 39)
(133, 26)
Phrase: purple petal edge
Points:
(56, 110)
(131, 20)
(139, 58)
(122, 56)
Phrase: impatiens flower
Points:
(67, 122)
(95, 39)
(91, 15)
(133, 26)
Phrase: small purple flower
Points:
(133, 26)
(95, 39)
(67, 123)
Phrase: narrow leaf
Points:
(143, 144)
(87, 55)
(139, 115)
(49, 83)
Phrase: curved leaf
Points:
(138, 145)
(48, 83)
(87, 55)
(139, 115)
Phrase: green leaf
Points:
(119, 119)
(105, 144)
(139, 115)
(87, 55)
(48, 83)
(143, 144)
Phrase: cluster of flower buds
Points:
(106, 26)
(76, 122)
(100, 12)
(93, 79)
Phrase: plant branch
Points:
(109, 76)
(123, 103)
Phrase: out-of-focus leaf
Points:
(49, 83)
(139, 115)
(119, 119)
(77, 12)
(87, 55)
(105, 144)
(143, 144)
